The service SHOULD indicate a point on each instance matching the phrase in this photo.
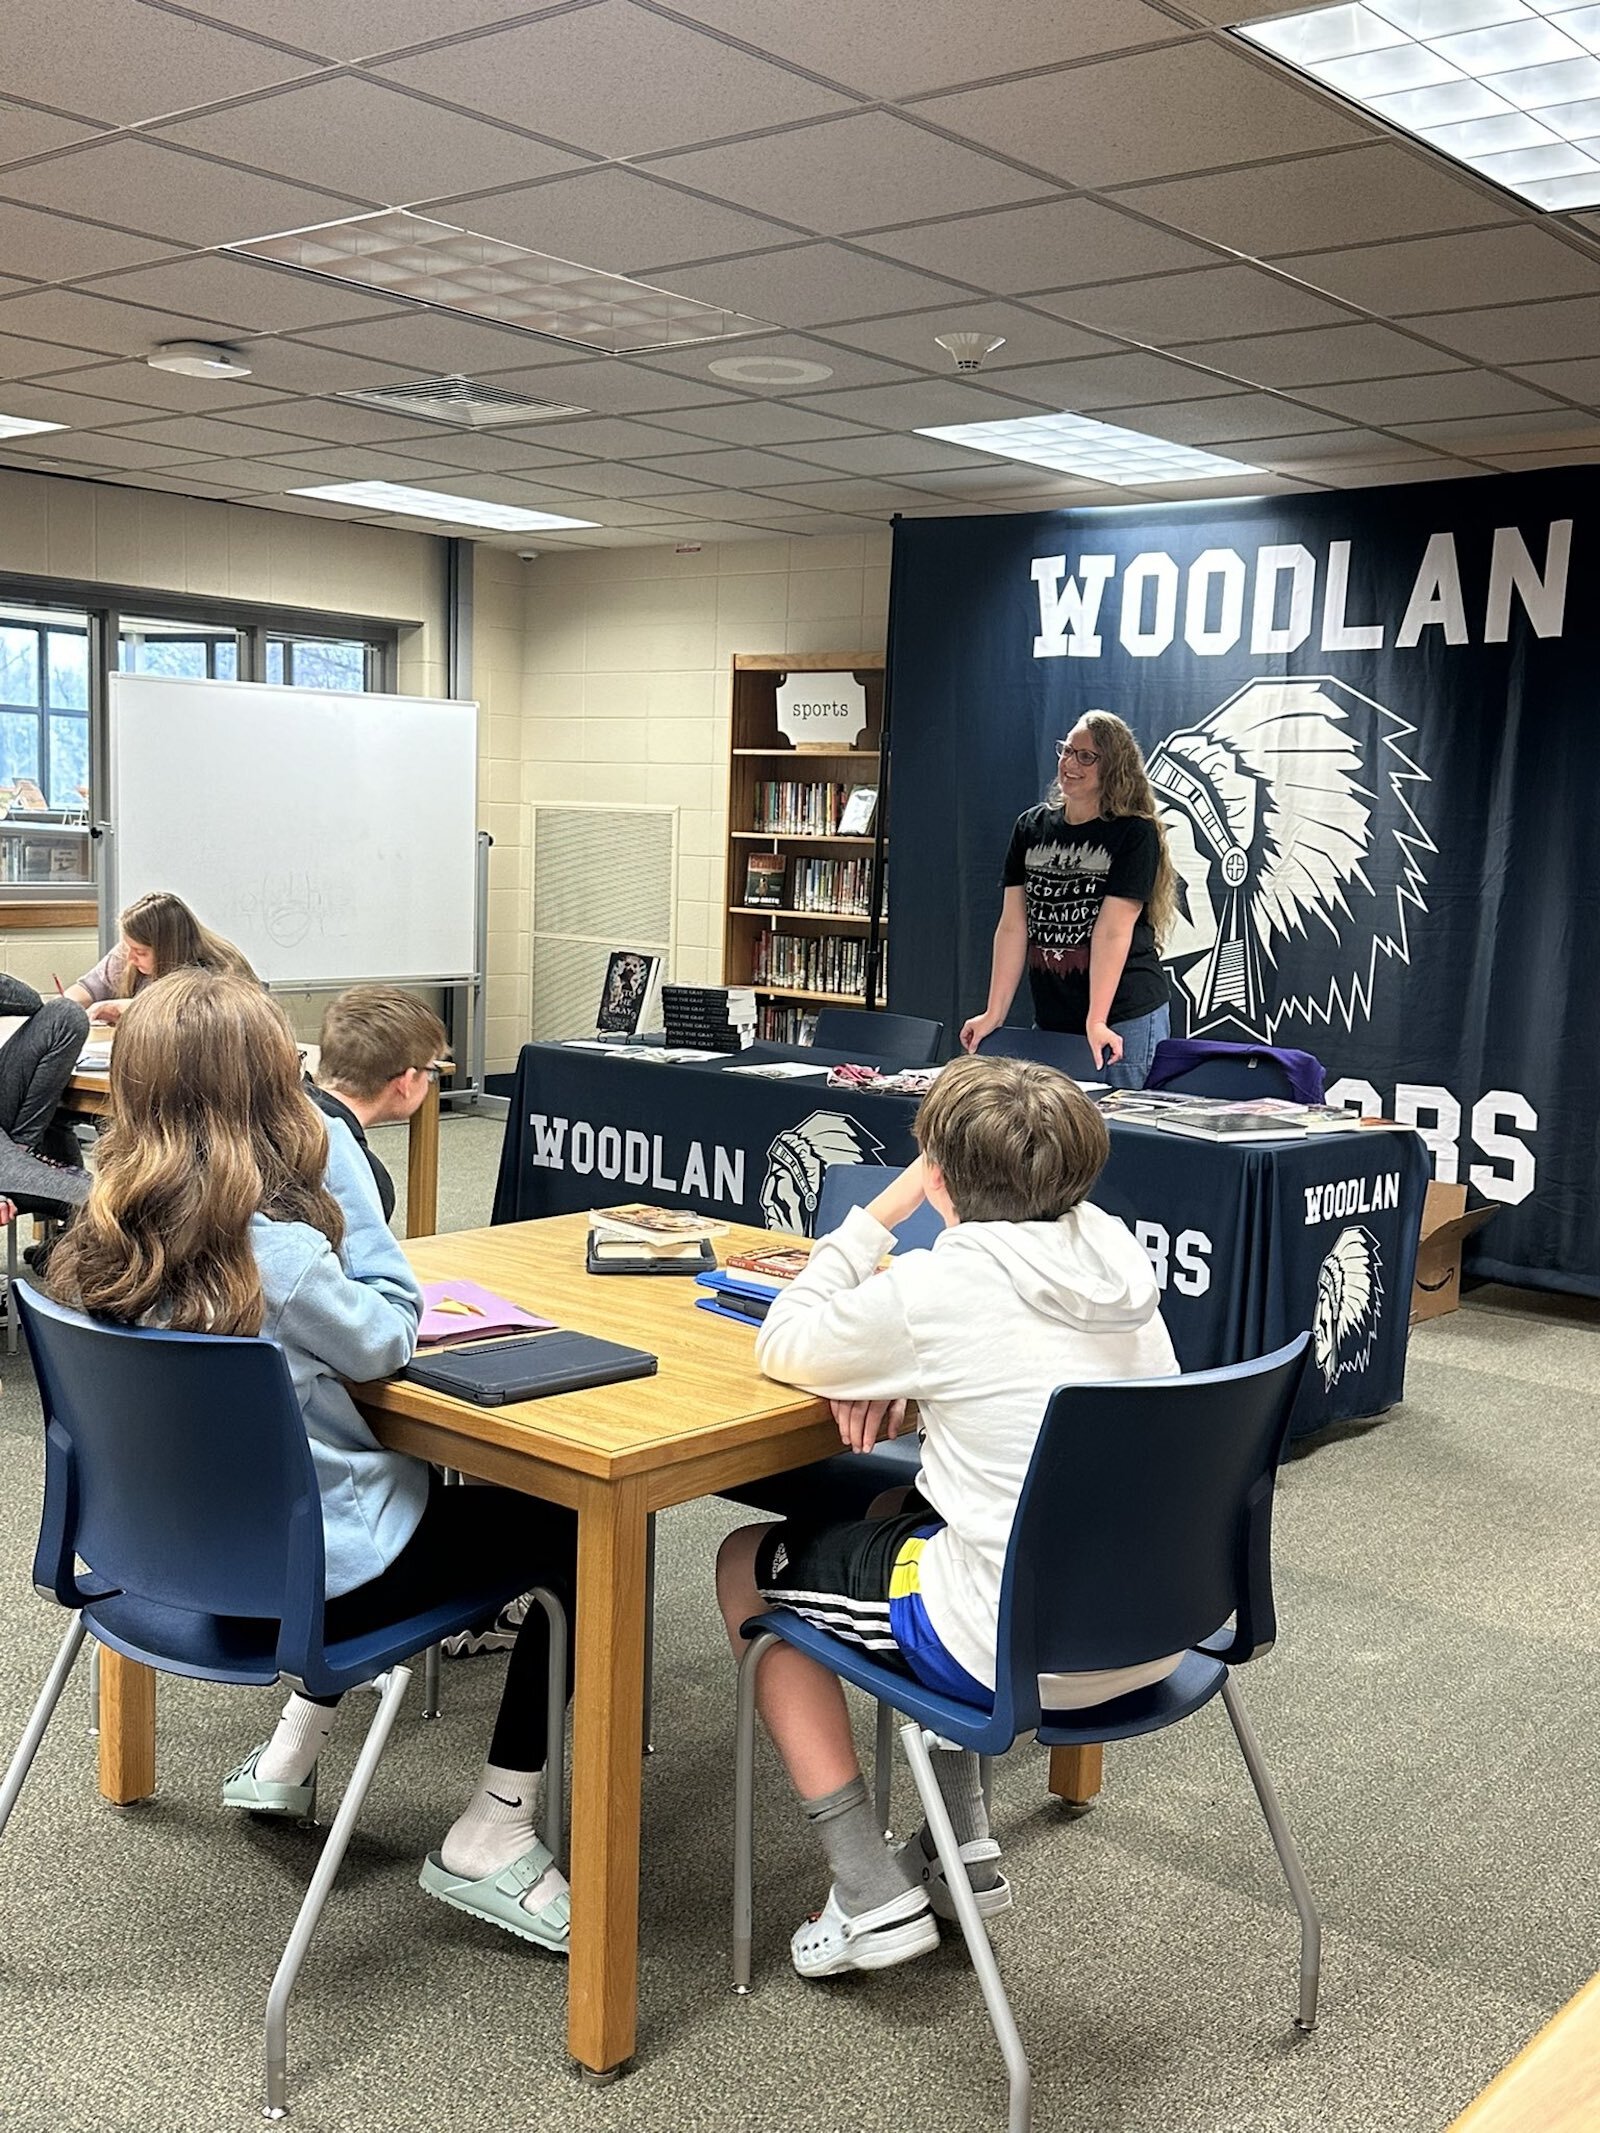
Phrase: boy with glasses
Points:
(380, 1049)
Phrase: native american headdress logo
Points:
(1349, 1304)
(1300, 857)
(798, 1157)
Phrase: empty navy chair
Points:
(1199, 1067)
(1061, 1048)
(1144, 1525)
(909, 1040)
(177, 1467)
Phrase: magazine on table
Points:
(1268, 1118)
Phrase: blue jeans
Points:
(1139, 1040)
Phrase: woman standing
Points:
(160, 934)
(1089, 893)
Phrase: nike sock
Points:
(302, 1733)
(961, 1789)
(496, 1825)
(865, 1871)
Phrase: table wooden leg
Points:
(607, 1746)
(127, 1729)
(422, 1167)
(1075, 1773)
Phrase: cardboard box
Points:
(1446, 1225)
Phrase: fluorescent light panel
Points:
(395, 500)
(1511, 88)
(450, 269)
(1100, 451)
(14, 426)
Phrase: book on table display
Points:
(781, 1263)
(1267, 1118)
(630, 995)
(636, 1238)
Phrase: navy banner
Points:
(1370, 720)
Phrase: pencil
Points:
(57, 982)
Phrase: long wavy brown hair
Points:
(163, 922)
(1125, 790)
(209, 1126)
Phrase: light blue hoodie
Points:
(347, 1314)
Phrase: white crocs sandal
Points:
(830, 1942)
(991, 1901)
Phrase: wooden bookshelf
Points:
(759, 755)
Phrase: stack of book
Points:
(1219, 1118)
(713, 1018)
(639, 1239)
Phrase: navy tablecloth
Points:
(1250, 1245)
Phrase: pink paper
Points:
(479, 1311)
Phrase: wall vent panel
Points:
(604, 877)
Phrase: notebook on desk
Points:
(530, 1367)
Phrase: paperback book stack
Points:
(639, 1239)
(710, 1018)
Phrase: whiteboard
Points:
(331, 837)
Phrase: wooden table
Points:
(1553, 2085)
(88, 1096)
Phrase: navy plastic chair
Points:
(1200, 1067)
(909, 1040)
(1144, 1525)
(178, 1468)
(1061, 1048)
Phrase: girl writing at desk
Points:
(160, 934)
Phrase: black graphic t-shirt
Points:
(1066, 871)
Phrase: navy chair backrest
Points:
(847, 1185)
(1145, 1522)
(909, 1040)
(1198, 1066)
(1051, 1047)
(177, 1467)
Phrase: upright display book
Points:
(763, 879)
(630, 997)
(855, 818)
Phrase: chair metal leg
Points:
(1001, 2019)
(94, 1689)
(883, 1768)
(649, 1729)
(430, 1680)
(744, 1806)
(43, 1711)
(12, 1314)
(553, 1820)
(1288, 1858)
(394, 1686)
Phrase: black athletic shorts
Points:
(838, 1575)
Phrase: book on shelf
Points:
(855, 818)
(763, 879)
(630, 996)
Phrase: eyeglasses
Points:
(1084, 756)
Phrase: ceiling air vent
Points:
(462, 402)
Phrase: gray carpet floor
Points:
(1428, 1713)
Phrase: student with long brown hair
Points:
(159, 934)
(222, 1203)
(1090, 894)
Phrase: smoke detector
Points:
(199, 359)
(769, 370)
(967, 350)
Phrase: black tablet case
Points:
(531, 1369)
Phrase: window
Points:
(185, 650)
(44, 745)
(323, 663)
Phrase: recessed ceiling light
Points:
(769, 370)
(449, 269)
(199, 359)
(15, 426)
(462, 402)
(395, 500)
(1510, 88)
(1076, 444)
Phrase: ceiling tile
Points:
(1335, 444)
(1186, 307)
(857, 172)
(362, 462)
(167, 193)
(123, 63)
(25, 132)
(1439, 273)
(207, 437)
(1574, 381)
(1048, 247)
(430, 341)
(1519, 333)
(924, 404)
(56, 248)
(614, 81)
(1516, 432)
(87, 449)
(341, 422)
(1224, 423)
(980, 478)
(611, 478)
(610, 385)
(362, 29)
(240, 293)
(611, 438)
(1357, 196)
(811, 285)
(140, 386)
(621, 221)
(757, 422)
(849, 495)
(910, 336)
(890, 456)
(1377, 473)
(735, 467)
(1187, 106)
(80, 319)
(260, 477)
(1322, 358)
(495, 453)
(368, 140)
(21, 357)
(936, 43)
(1111, 381)
(288, 366)
(1388, 402)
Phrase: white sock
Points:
(303, 1732)
(496, 1825)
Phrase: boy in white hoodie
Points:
(1028, 1288)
